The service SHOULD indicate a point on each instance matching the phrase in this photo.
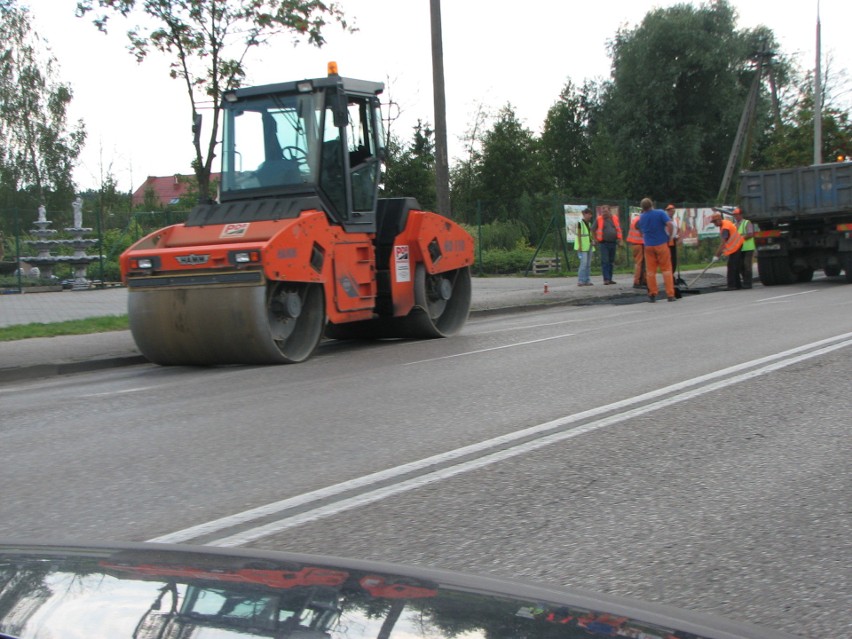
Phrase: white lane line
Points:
(781, 297)
(521, 327)
(525, 327)
(487, 350)
(414, 483)
(273, 508)
(138, 389)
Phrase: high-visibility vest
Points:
(583, 238)
(734, 241)
(599, 227)
(748, 244)
(634, 235)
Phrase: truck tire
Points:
(782, 270)
(847, 266)
(831, 271)
(765, 271)
(805, 275)
(775, 271)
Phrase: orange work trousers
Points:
(659, 257)
(638, 264)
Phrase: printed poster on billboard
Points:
(695, 225)
(573, 215)
(707, 230)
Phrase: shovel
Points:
(698, 277)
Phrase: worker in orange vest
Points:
(637, 246)
(608, 237)
(730, 246)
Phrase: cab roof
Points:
(350, 86)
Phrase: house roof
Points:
(167, 189)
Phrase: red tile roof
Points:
(167, 189)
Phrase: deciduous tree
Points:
(39, 147)
(464, 174)
(207, 41)
(790, 144)
(678, 89)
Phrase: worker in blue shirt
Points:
(656, 227)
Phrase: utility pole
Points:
(763, 61)
(442, 165)
(818, 96)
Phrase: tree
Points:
(565, 139)
(207, 41)
(678, 89)
(790, 143)
(39, 147)
(411, 168)
(464, 174)
(511, 165)
(603, 175)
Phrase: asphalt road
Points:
(694, 454)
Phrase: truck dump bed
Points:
(786, 195)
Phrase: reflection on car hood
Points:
(148, 591)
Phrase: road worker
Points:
(608, 237)
(730, 246)
(637, 247)
(746, 229)
(656, 228)
(584, 245)
(674, 240)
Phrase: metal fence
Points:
(21, 232)
(552, 248)
(45, 249)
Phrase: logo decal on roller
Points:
(235, 230)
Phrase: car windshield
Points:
(271, 142)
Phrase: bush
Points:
(115, 243)
(499, 235)
(504, 262)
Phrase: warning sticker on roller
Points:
(402, 263)
(234, 230)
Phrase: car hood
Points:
(158, 591)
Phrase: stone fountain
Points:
(46, 245)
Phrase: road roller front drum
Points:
(275, 323)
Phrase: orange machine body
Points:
(306, 249)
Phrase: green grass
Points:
(70, 327)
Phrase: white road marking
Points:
(781, 297)
(522, 327)
(122, 391)
(683, 391)
(487, 350)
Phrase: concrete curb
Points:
(36, 371)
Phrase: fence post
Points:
(479, 234)
(18, 249)
(559, 224)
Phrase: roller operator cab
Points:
(299, 244)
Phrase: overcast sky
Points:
(138, 119)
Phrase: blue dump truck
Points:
(804, 221)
